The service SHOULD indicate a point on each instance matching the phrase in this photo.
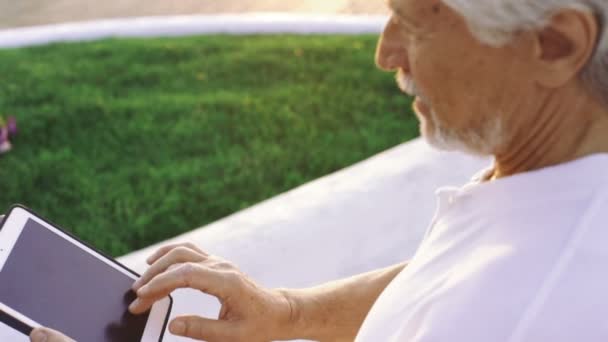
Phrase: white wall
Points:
(252, 23)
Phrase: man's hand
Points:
(48, 335)
(249, 312)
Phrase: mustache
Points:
(407, 84)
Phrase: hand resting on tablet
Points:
(329, 312)
(249, 312)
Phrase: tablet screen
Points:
(58, 285)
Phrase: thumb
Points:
(48, 335)
(202, 328)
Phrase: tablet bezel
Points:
(13, 225)
(16, 320)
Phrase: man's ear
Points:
(565, 46)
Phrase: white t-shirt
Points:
(524, 258)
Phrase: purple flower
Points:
(3, 135)
(12, 126)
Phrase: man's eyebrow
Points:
(394, 7)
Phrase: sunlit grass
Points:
(128, 142)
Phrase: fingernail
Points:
(177, 327)
(39, 336)
(136, 284)
(134, 305)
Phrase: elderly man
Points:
(518, 254)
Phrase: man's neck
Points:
(561, 133)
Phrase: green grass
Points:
(129, 142)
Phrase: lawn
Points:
(127, 142)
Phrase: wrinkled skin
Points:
(249, 312)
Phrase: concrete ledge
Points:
(252, 23)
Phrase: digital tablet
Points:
(50, 278)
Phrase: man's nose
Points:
(387, 58)
(391, 53)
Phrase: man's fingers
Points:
(188, 275)
(141, 305)
(166, 249)
(48, 335)
(203, 329)
(177, 255)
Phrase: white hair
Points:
(494, 21)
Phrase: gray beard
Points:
(483, 140)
